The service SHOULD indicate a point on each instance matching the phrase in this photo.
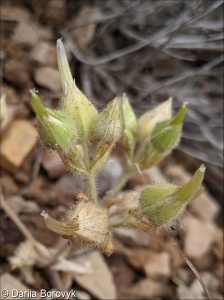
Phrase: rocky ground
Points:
(180, 59)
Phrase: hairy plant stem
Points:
(90, 176)
(139, 153)
(91, 186)
(119, 185)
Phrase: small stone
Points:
(120, 249)
(196, 291)
(17, 142)
(133, 238)
(158, 264)
(16, 72)
(11, 96)
(218, 247)
(137, 180)
(82, 295)
(10, 13)
(10, 283)
(153, 264)
(109, 175)
(56, 13)
(198, 236)
(52, 164)
(123, 274)
(48, 78)
(184, 275)
(205, 207)
(70, 185)
(44, 54)
(145, 289)
(84, 35)
(42, 191)
(100, 282)
(29, 33)
(9, 186)
(176, 258)
(16, 203)
(26, 33)
(19, 205)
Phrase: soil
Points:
(107, 50)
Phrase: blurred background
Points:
(150, 50)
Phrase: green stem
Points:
(118, 186)
(91, 186)
(90, 176)
(139, 153)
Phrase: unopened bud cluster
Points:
(84, 138)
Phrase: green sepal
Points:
(166, 135)
(164, 203)
(109, 127)
(57, 129)
(73, 100)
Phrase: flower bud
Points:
(73, 100)
(129, 117)
(166, 135)
(129, 142)
(57, 129)
(106, 132)
(162, 204)
(148, 121)
(129, 125)
(164, 138)
(109, 126)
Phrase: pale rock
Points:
(196, 291)
(198, 236)
(83, 35)
(82, 295)
(56, 13)
(19, 205)
(155, 175)
(26, 33)
(52, 164)
(193, 292)
(48, 77)
(30, 33)
(45, 54)
(176, 258)
(10, 13)
(17, 142)
(16, 203)
(11, 95)
(177, 174)
(204, 206)
(158, 265)
(144, 289)
(184, 275)
(9, 282)
(120, 248)
(109, 175)
(154, 264)
(70, 185)
(218, 247)
(99, 283)
(132, 238)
